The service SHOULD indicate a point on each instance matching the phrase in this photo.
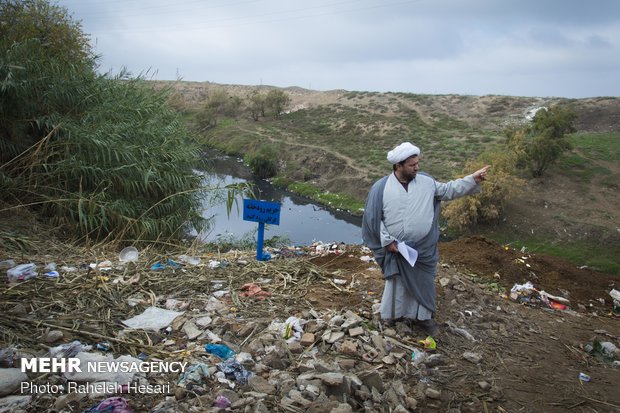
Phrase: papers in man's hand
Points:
(409, 253)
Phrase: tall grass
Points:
(102, 157)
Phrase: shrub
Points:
(263, 162)
(488, 205)
(541, 144)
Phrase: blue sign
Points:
(262, 212)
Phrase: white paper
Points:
(409, 253)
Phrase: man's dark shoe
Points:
(429, 326)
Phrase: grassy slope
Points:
(337, 147)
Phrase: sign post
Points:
(262, 212)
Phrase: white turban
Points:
(402, 152)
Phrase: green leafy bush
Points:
(263, 162)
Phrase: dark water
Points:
(301, 221)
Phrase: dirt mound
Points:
(506, 266)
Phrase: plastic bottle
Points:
(220, 350)
(22, 272)
(418, 357)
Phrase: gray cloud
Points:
(531, 48)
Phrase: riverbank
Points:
(333, 146)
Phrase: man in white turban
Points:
(402, 210)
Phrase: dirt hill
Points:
(337, 140)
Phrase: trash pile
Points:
(219, 324)
(527, 294)
(214, 332)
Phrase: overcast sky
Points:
(563, 48)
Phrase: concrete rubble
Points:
(267, 358)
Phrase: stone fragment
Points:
(10, 380)
(331, 379)
(245, 401)
(379, 343)
(373, 380)
(295, 347)
(276, 360)
(255, 394)
(19, 309)
(311, 391)
(342, 408)
(388, 359)
(432, 393)
(349, 347)
(307, 339)
(330, 337)
(314, 326)
(191, 330)
(203, 321)
(296, 396)
(356, 331)
(484, 385)
(472, 357)
(346, 363)
(14, 403)
(53, 336)
(180, 393)
(412, 403)
(351, 320)
(336, 321)
(259, 384)
(229, 394)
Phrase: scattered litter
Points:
(111, 405)
(233, 369)
(102, 266)
(128, 254)
(222, 402)
(22, 272)
(429, 343)
(103, 346)
(527, 294)
(221, 350)
(6, 264)
(69, 350)
(188, 259)
(253, 290)
(153, 319)
(584, 377)
(195, 375)
(418, 357)
(292, 330)
(174, 304)
(168, 264)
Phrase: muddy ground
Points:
(495, 354)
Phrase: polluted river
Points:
(302, 222)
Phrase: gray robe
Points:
(418, 281)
